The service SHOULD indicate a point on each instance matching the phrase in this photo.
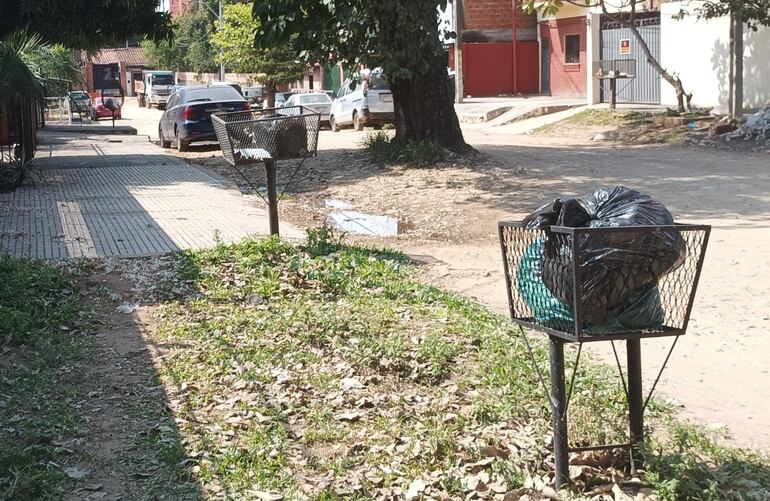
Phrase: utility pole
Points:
(737, 111)
(220, 18)
(457, 14)
(515, 46)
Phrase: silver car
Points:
(316, 101)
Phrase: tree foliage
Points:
(84, 24)
(29, 67)
(401, 36)
(190, 48)
(235, 37)
(751, 12)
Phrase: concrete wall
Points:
(192, 78)
(698, 51)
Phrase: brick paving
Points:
(120, 196)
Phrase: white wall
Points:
(698, 51)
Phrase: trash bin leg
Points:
(635, 401)
(272, 196)
(559, 417)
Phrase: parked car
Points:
(187, 118)
(316, 101)
(254, 95)
(103, 108)
(359, 103)
(280, 100)
(234, 85)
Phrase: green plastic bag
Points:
(641, 310)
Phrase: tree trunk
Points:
(422, 95)
(271, 88)
(424, 107)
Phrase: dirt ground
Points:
(448, 216)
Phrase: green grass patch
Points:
(40, 317)
(599, 118)
(384, 149)
(35, 300)
(349, 371)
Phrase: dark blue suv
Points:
(187, 118)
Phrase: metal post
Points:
(559, 417)
(272, 196)
(459, 25)
(635, 400)
(515, 45)
(613, 92)
(221, 51)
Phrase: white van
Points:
(363, 102)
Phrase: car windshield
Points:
(280, 97)
(218, 93)
(162, 80)
(314, 99)
(377, 81)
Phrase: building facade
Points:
(495, 62)
(111, 67)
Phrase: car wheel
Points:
(163, 142)
(357, 123)
(181, 146)
(333, 125)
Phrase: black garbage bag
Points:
(613, 266)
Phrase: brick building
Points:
(108, 67)
(176, 7)
(563, 49)
(494, 61)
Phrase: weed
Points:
(385, 150)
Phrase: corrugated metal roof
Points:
(132, 56)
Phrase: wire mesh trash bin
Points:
(601, 284)
(265, 136)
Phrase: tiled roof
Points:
(132, 56)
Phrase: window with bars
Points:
(572, 49)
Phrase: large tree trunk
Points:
(424, 106)
(422, 95)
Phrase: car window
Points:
(377, 81)
(343, 89)
(173, 101)
(291, 101)
(218, 93)
(162, 80)
(314, 99)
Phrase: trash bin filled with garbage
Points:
(609, 264)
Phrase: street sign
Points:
(625, 46)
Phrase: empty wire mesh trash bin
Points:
(265, 136)
(601, 284)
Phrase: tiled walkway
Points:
(91, 196)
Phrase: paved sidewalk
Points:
(120, 196)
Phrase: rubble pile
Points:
(756, 127)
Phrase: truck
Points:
(155, 87)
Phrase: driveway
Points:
(105, 195)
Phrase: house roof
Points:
(132, 56)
